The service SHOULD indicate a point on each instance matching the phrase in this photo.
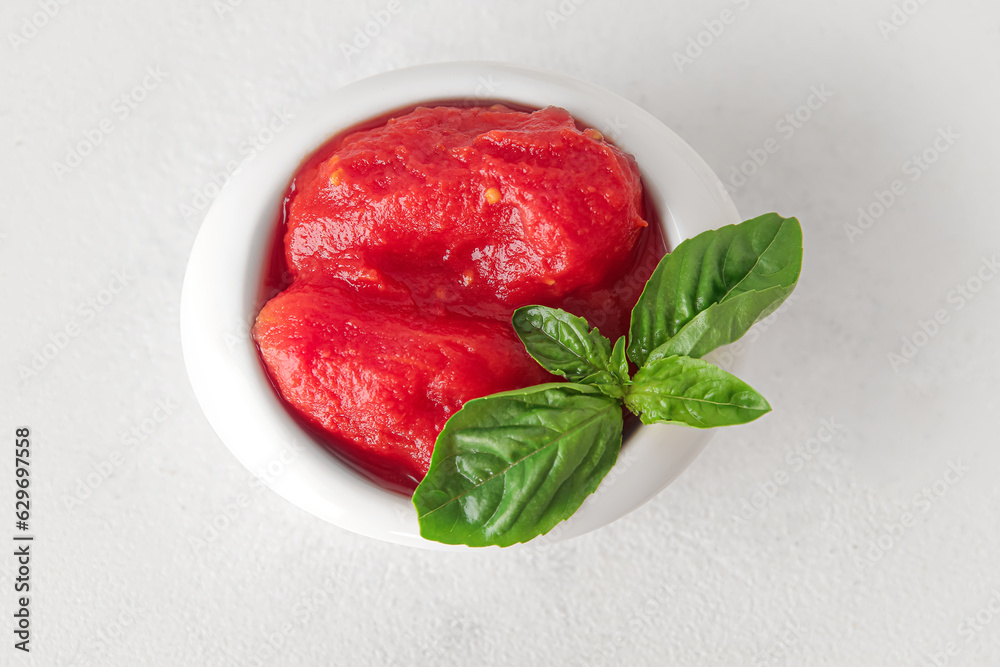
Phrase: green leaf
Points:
(682, 390)
(509, 467)
(721, 324)
(613, 381)
(607, 383)
(713, 268)
(619, 363)
(562, 343)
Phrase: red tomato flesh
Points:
(407, 247)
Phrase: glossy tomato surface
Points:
(407, 246)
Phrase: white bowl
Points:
(224, 276)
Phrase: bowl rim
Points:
(223, 274)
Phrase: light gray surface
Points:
(117, 578)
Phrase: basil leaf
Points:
(612, 382)
(607, 383)
(721, 323)
(712, 268)
(619, 363)
(562, 343)
(510, 466)
(682, 390)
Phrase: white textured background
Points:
(725, 567)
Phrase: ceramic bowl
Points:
(225, 270)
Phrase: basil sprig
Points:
(508, 467)
(693, 392)
(712, 288)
